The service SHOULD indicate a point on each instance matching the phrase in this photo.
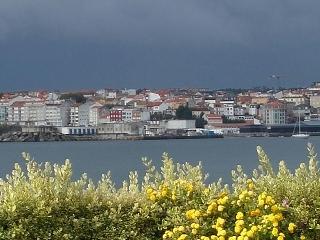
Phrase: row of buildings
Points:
(140, 111)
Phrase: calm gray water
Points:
(218, 156)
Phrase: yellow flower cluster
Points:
(245, 216)
(193, 214)
(154, 194)
(164, 191)
(217, 205)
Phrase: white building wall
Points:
(315, 101)
(84, 110)
(53, 115)
(127, 115)
(178, 124)
(36, 113)
(228, 110)
(74, 116)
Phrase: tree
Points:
(184, 113)
(227, 120)
(158, 116)
(77, 97)
(200, 122)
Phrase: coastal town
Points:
(158, 113)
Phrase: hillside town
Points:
(142, 113)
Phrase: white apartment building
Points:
(36, 112)
(127, 115)
(26, 113)
(74, 114)
(84, 110)
(273, 113)
(315, 101)
(297, 99)
(16, 113)
(210, 102)
(239, 111)
(57, 114)
(130, 92)
(3, 113)
(228, 109)
(253, 110)
(79, 114)
(94, 114)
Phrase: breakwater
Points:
(18, 136)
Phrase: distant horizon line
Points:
(154, 88)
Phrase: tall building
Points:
(3, 114)
(58, 114)
(274, 113)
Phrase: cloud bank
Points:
(199, 42)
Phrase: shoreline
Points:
(31, 137)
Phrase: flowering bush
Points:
(44, 202)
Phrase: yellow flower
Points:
(255, 212)
(260, 202)
(239, 222)
(189, 187)
(220, 208)
(243, 232)
(239, 216)
(195, 225)
(194, 231)
(181, 228)
(241, 196)
(152, 197)
(281, 236)
(164, 193)
(291, 227)
(212, 207)
(222, 232)
(167, 234)
(149, 190)
(189, 214)
(173, 197)
(220, 221)
(197, 213)
(275, 232)
(237, 229)
(204, 238)
(274, 208)
(279, 216)
(269, 200)
(183, 236)
(254, 228)
(250, 233)
(223, 200)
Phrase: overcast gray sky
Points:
(80, 44)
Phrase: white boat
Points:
(300, 134)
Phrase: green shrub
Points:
(173, 202)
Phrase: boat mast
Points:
(299, 123)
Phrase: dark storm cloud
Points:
(178, 42)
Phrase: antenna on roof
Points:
(278, 78)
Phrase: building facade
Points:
(274, 113)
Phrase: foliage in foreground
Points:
(44, 202)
